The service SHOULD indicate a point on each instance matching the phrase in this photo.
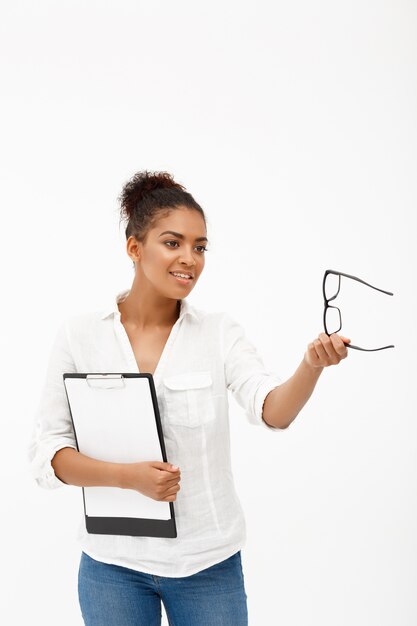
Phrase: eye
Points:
(202, 248)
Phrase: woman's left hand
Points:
(326, 350)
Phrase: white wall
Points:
(293, 124)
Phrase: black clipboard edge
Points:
(126, 525)
(131, 526)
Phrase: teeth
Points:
(181, 275)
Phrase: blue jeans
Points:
(111, 595)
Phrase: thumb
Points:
(344, 339)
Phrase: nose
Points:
(187, 259)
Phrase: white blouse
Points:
(205, 355)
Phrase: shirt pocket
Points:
(189, 398)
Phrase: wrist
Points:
(312, 369)
(119, 475)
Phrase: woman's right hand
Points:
(156, 479)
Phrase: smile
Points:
(183, 278)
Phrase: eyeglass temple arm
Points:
(389, 293)
(348, 345)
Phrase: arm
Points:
(283, 404)
(74, 468)
(52, 429)
(53, 449)
(155, 479)
(245, 373)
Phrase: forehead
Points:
(188, 222)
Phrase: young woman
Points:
(195, 358)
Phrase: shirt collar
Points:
(186, 307)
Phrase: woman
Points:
(194, 357)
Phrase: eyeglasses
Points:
(332, 317)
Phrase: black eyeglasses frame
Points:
(328, 306)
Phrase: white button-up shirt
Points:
(205, 355)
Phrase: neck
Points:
(146, 310)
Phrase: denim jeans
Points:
(111, 595)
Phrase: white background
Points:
(294, 125)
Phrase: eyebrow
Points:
(172, 232)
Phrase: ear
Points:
(133, 248)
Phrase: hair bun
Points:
(141, 184)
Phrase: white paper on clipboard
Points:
(116, 423)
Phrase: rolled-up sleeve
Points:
(246, 375)
(53, 428)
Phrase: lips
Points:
(185, 282)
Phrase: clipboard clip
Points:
(102, 381)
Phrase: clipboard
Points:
(116, 418)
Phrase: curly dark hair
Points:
(148, 196)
